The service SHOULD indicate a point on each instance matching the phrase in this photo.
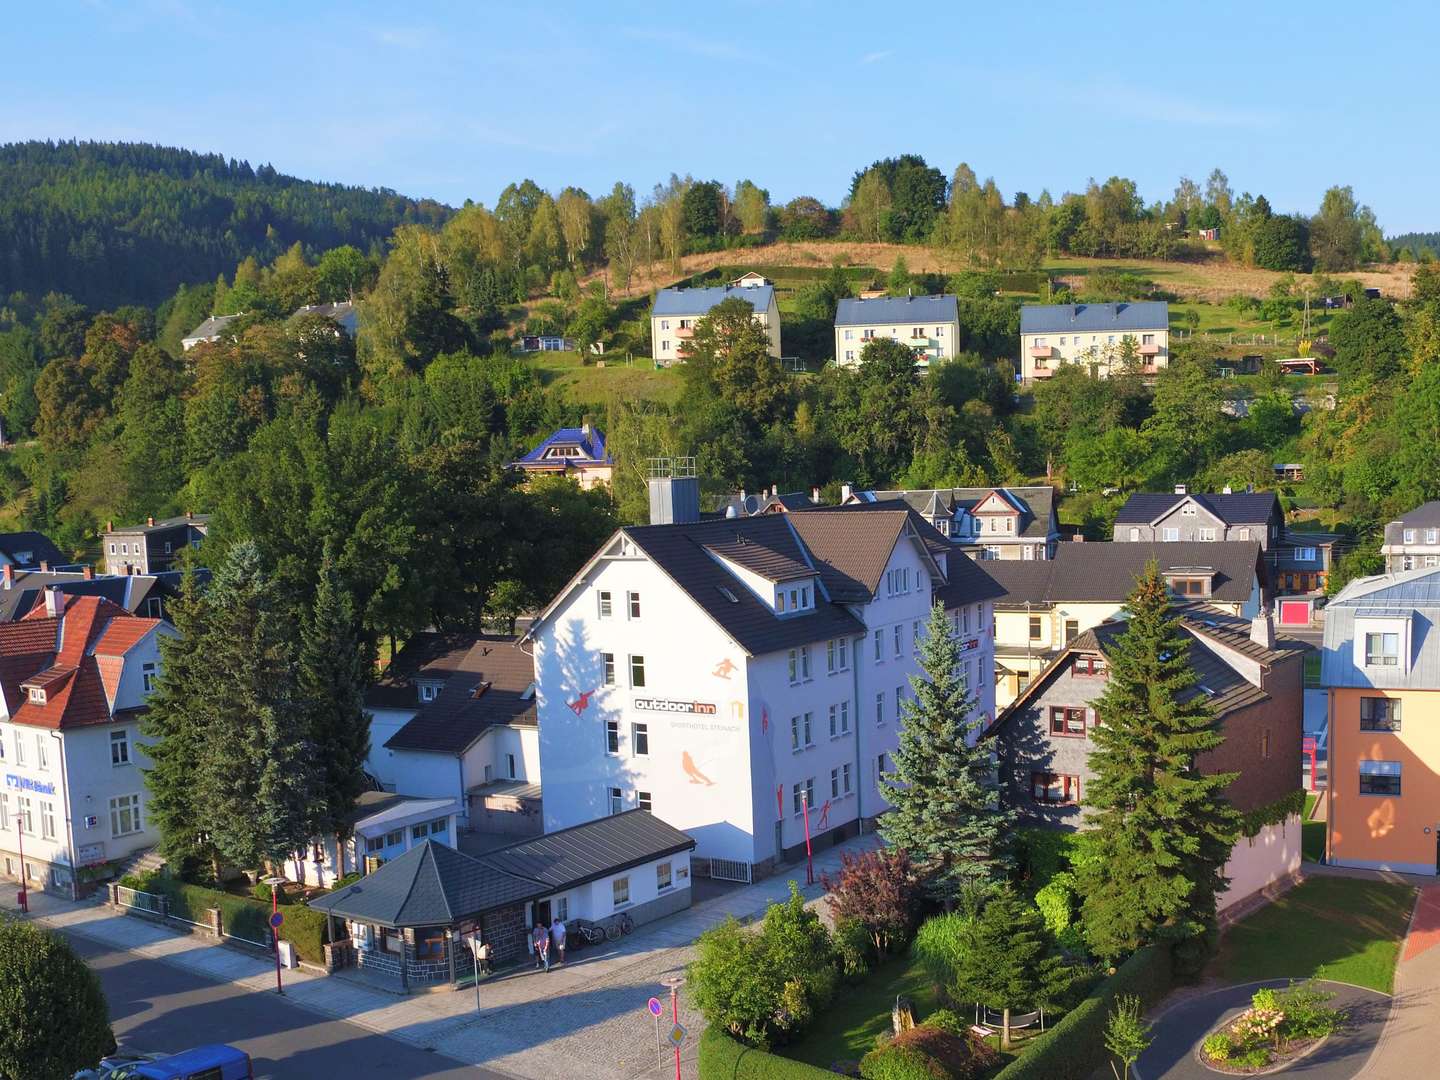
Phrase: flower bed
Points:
(1279, 1027)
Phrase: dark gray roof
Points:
(197, 521)
(700, 301)
(1424, 516)
(897, 310)
(486, 686)
(1108, 571)
(966, 582)
(769, 564)
(1036, 503)
(27, 550)
(211, 328)
(585, 852)
(1094, 318)
(429, 885)
(129, 591)
(434, 885)
(1241, 508)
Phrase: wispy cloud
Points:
(876, 57)
(695, 45)
(403, 37)
(1143, 104)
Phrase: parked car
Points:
(216, 1062)
(108, 1065)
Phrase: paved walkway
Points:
(586, 1018)
(1408, 1046)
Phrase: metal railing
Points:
(730, 870)
(144, 901)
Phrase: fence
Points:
(730, 870)
(187, 904)
(144, 901)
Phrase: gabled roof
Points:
(488, 687)
(1426, 514)
(197, 521)
(1035, 503)
(1094, 318)
(898, 311)
(590, 440)
(379, 808)
(852, 549)
(211, 328)
(1107, 572)
(1240, 508)
(128, 591)
(767, 563)
(28, 550)
(700, 301)
(433, 885)
(425, 656)
(342, 312)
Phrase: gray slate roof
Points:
(898, 311)
(1094, 318)
(485, 685)
(211, 328)
(1035, 502)
(1424, 516)
(1239, 508)
(1412, 594)
(1100, 572)
(434, 885)
(29, 549)
(700, 301)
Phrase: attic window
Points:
(427, 692)
(725, 592)
(37, 695)
(563, 452)
(1205, 690)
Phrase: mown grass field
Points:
(848, 1028)
(620, 379)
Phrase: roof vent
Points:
(725, 592)
(1205, 690)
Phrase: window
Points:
(125, 548)
(662, 876)
(620, 891)
(1147, 339)
(427, 692)
(2, 746)
(1379, 778)
(120, 747)
(803, 795)
(834, 720)
(1169, 535)
(1089, 665)
(1187, 586)
(637, 671)
(880, 707)
(419, 832)
(1432, 536)
(510, 765)
(642, 800)
(1382, 650)
(835, 783)
(805, 661)
(640, 740)
(1072, 630)
(608, 660)
(605, 607)
(845, 779)
(5, 818)
(915, 635)
(42, 751)
(830, 657)
(849, 335)
(899, 701)
(374, 844)
(780, 601)
(47, 819)
(112, 549)
(879, 646)
(1379, 714)
(1036, 628)
(1305, 554)
(1066, 720)
(795, 743)
(806, 727)
(665, 345)
(1242, 534)
(1055, 789)
(395, 838)
(1409, 536)
(612, 736)
(1205, 534)
(800, 731)
(845, 717)
(633, 600)
(616, 799)
(124, 815)
(844, 653)
(19, 748)
(25, 812)
(879, 766)
(147, 676)
(990, 551)
(1188, 510)
(37, 696)
(895, 638)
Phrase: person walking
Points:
(540, 939)
(557, 938)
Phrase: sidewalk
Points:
(1407, 1046)
(586, 1017)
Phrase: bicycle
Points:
(616, 927)
(588, 932)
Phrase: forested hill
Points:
(125, 223)
(1417, 242)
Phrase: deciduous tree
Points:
(53, 1017)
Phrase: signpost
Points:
(276, 921)
(656, 1009)
(677, 1032)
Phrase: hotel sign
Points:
(688, 708)
(970, 646)
(24, 783)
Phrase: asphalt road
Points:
(160, 1008)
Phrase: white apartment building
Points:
(1413, 541)
(1093, 336)
(676, 311)
(929, 325)
(76, 675)
(731, 675)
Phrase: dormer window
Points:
(37, 695)
(1409, 536)
(563, 452)
(427, 692)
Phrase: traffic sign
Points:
(276, 919)
(654, 1006)
(676, 1038)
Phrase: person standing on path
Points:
(557, 938)
(540, 939)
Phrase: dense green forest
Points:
(126, 223)
(1416, 243)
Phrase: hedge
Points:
(245, 918)
(1075, 1047)
(722, 1058)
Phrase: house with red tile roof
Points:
(75, 675)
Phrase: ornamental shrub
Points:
(927, 1053)
(53, 1016)
(853, 948)
(1217, 1047)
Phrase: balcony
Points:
(685, 332)
(1042, 373)
(1149, 350)
(1150, 369)
(1039, 351)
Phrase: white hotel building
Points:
(728, 674)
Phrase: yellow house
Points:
(676, 311)
(928, 325)
(1095, 336)
(1381, 672)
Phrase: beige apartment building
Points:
(929, 325)
(1093, 335)
(676, 311)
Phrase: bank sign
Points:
(688, 708)
(24, 783)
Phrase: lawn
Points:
(621, 379)
(1346, 929)
(860, 1013)
(1312, 833)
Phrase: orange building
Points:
(1381, 671)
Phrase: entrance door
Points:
(1294, 612)
(542, 912)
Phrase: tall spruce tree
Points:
(1161, 829)
(334, 670)
(946, 814)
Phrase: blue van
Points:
(218, 1062)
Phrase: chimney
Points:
(53, 603)
(89, 573)
(674, 491)
(109, 526)
(1078, 538)
(44, 567)
(844, 493)
(1226, 490)
(150, 520)
(1262, 631)
(9, 576)
(815, 495)
(1181, 489)
(585, 429)
(189, 515)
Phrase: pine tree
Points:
(334, 670)
(945, 814)
(1161, 830)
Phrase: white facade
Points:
(729, 747)
(377, 839)
(502, 752)
(1098, 353)
(659, 879)
(930, 342)
(670, 333)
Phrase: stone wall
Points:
(383, 965)
(505, 932)
(426, 970)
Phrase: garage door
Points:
(1294, 612)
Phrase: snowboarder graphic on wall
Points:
(692, 770)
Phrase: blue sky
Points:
(455, 100)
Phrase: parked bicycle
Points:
(623, 925)
(586, 932)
